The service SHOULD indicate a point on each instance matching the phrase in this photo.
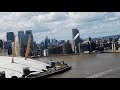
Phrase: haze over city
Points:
(59, 24)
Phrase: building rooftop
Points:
(16, 68)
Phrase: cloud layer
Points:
(59, 24)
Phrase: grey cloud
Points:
(51, 17)
(59, 24)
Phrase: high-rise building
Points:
(46, 42)
(114, 45)
(24, 41)
(79, 46)
(76, 39)
(61, 41)
(91, 44)
(52, 41)
(1, 43)
(20, 35)
(10, 36)
(83, 47)
(28, 32)
(67, 49)
(74, 33)
(8, 46)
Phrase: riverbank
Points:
(86, 65)
(57, 55)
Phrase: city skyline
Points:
(59, 24)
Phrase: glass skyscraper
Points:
(10, 36)
(24, 40)
(76, 41)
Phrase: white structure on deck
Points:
(16, 68)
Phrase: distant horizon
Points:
(59, 39)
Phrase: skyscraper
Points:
(29, 33)
(76, 39)
(114, 45)
(8, 46)
(10, 36)
(24, 40)
(46, 42)
(1, 43)
(20, 35)
(67, 49)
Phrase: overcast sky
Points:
(59, 24)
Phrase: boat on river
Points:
(53, 69)
(29, 68)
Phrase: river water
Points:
(89, 65)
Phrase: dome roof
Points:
(16, 68)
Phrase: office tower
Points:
(35, 50)
(83, 47)
(114, 45)
(20, 35)
(74, 33)
(29, 33)
(67, 49)
(24, 41)
(54, 41)
(79, 46)
(22, 45)
(8, 46)
(73, 46)
(61, 41)
(46, 42)
(1, 43)
(76, 39)
(46, 52)
(10, 36)
(90, 44)
(51, 41)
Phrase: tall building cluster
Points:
(53, 46)
(23, 41)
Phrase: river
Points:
(89, 65)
